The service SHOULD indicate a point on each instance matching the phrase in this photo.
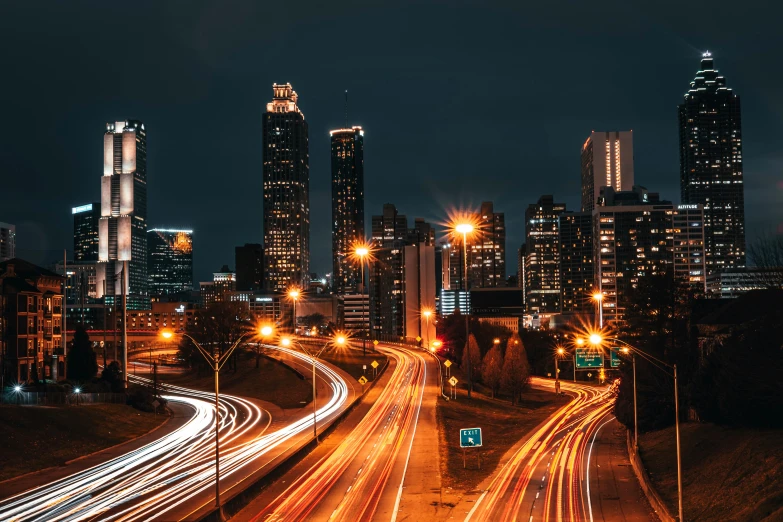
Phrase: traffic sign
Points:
(447, 364)
(374, 364)
(470, 438)
(589, 358)
(453, 381)
(615, 357)
(418, 339)
(375, 342)
(362, 380)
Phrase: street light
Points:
(361, 252)
(598, 297)
(338, 340)
(294, 294)
(632, 349)
(427, 313)
(217, 361)
(558, 353)
(466, 228)
(77, 391)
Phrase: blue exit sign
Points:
(470, 438)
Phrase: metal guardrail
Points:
(23, 398)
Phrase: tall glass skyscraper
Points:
(170, 261)
(122, 229)
(286, 191)
(347, 206)
(711, 165)
(542, 258)
(85, 232)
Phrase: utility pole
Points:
(125, 323)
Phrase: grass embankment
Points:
(502, 424)
(272, 381)
(38, 437)
(729, 474)
(352, 361)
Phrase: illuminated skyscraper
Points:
(542, 257)
(170, 261)
(576, 263)
(711, 171)
(286, 192)
(607, 161)
(122, 229)
(347, 206)
(487, 250)
(85, 232)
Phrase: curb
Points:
(644, 481)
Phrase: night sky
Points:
(460, 103)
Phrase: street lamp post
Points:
(629, 348)
(361, 253)
(598, 297)
(294, 294)
(427, 313)
(216, 362)
(558, 353)
(339, 340)
(465, 229)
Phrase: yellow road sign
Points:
(374, 364)
(375, 342)
(453, 381)
(447, 364)
(418, 339)
(362, 380)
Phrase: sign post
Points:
(447, 364)
(453, 381)
(362, 381)
(615, 356)
(589, 358)
(374, 365)
(470, 438)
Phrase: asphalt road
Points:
(172, 478)
(570, 468)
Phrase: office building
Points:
(576, 263)
(266, 307)
(542, 256)
(420, 292)
(733, 282)
(688, 246)
(487, 250)
(249, 260)
(451, 301)
(711, 172)
(7, 241)
(31, 317)
(223, 283)
(286, 176)
(633, 237)
(607, 161)
(347, 206)
(170, 261)
(122, 228)
(85, 232)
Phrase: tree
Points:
(451, 330)
(766, 253)
(515, 375)
(112, 374)
(217, 328)
(314, 320)
(492, 369)
(475, 362)
(82, 360)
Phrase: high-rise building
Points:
(711, 171)
(249, 261)
(122, 229)
(542, 256)
(487, 250)
(7, 241)
(347, 206)
(633, 237)
(389, 233)
(607, 161)
(688, 247)
(220, 289)
(419, 288)
(85, 232)
(286, 192)
(170, 262)
(576, 263)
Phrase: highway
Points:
(554, 474)
(362, 478)
(173, 477)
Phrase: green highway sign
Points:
(470, 438)
(589, 358)
(615, 358)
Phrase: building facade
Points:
(688, 248)
(420, 292)
(122, 228)
(487, 250)
(347, 206)
(286, 174)
(711, 172)
(542, 256)
(249, 260)
(389, 234)
(170, 260)
(7, 241)
(218, 290)
(607, 161)
(85, 232)
(576, 263)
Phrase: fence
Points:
(23, 398)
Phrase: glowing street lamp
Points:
(598, 297)
(427, 313)
(595, 339)
(294, 294)
(362, 253)
(466, 228)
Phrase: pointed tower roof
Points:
(707, 78)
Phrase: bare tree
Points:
(766, 254)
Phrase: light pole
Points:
(598, 297)
(465, 229)
(77, 391)
(339, 340)
(294, 295)
(361, 252)
(426, 313)
(216, 361)
(558, 353)
(596, 339)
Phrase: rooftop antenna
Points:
(346, 108)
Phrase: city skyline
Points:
(436, 186)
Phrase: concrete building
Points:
(217, 290)
(249, 260)
(577, 278)
(733, 282)
(7, 241)
(542, 256)
(688, 247)
(607, 161)
(419, 277)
